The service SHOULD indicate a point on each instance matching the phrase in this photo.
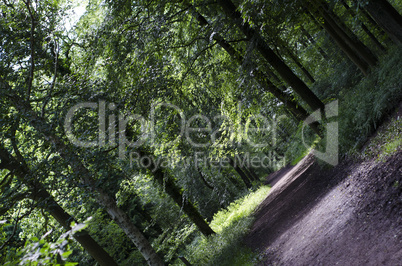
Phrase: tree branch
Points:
(17, 220)
(32, 41)
(49, 93)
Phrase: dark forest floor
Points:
(348, 215)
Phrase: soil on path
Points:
(348, 215)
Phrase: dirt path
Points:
(348, 215)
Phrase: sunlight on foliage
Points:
(46, 252)
(387, 141)
(237, 210)
(231, 225)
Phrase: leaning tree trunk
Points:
(167, 182)
(39, 194)
(374, 24)
(313, 42)
(387, 18)
(296, 60)
(364, 27)
(361, 64)
(291, 104)
(283, 70)
(103, 198)
(343, 31)
(242, 175)
(83, 237)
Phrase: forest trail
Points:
(348, 215)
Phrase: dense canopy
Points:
(149, 117)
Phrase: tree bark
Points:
(242, 175)
(103, 198)
(283, 70)
(166, 181)
(343, 32)
(291, 104)
(38, 193)
(362, 65)
(296, 60)
(313, 42)
(364, 27)
(387, 18)
(374, 23)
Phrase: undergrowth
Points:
(387, 141)
(363, 106)
(230, 225)
(364, 103)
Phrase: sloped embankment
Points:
(348, 215)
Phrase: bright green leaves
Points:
(46, 252)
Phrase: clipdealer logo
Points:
(112, 127)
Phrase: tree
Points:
(88, 180)
(344, 33)
(263, 79)
(39, 194)
(21, 86)
(284, 71)
(166, 181)
(364, 27)
(387, 18)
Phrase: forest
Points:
(142, 132)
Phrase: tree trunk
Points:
(362, 65)
(129, 228)
(89, 182)
(242, 175)
(313, 42)
(364, 27)
(284, 71)
(387, 17)
(188, 207)
(296, 60)
(83, 237)
(374, 23)
(347, 35)
(291, 104)
(38, 193)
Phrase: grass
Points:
(392, 147)
(363, 105)
(231, 225)
(387, 141)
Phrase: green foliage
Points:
(238, 209)
(108, 234)
(138, 53)
(363, 107)
(44, 252)
(296, 149)
(231, 224)
(387, 141)
(392, 147)
(10, 252)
